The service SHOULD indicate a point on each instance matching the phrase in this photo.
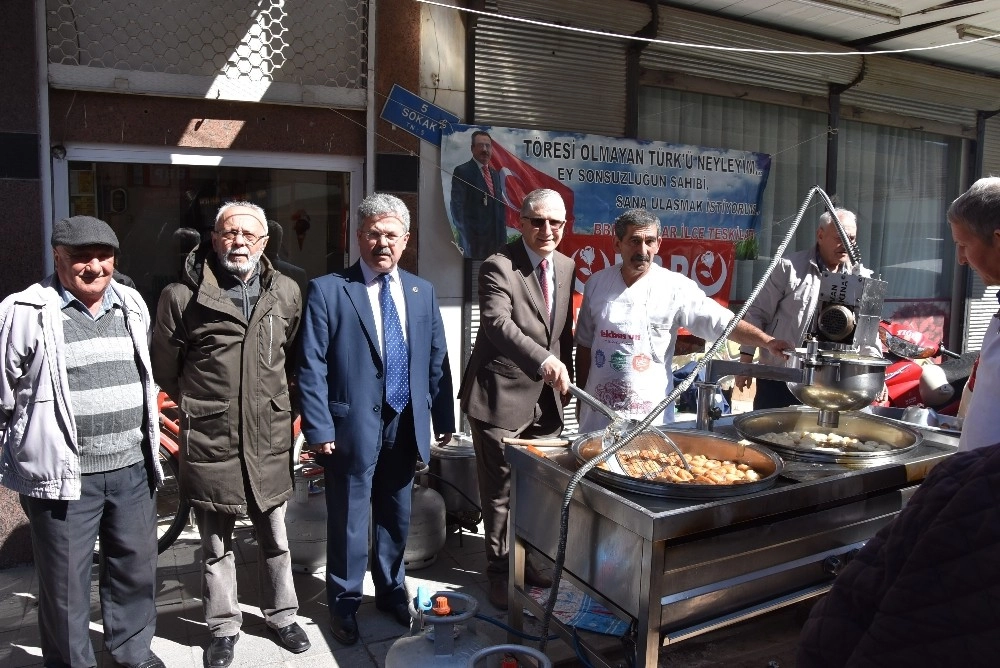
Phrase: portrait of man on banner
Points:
(483, 213)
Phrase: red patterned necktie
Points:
(543, 279)
(489, 180)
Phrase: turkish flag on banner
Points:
(518, 178)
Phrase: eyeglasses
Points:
(230, 236)
(539, 223)
(391, 239)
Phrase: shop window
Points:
(900, 183)
(159, 210)
(794, 138)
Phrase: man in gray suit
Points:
(518, 376)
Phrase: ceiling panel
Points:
(922, 23)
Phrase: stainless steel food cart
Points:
(680, 568)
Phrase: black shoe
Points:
(399, 611)
(293, 638)
(152, 662)
(345, 629)
(220, 651)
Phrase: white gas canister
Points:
(428, 529)
(935, 390)
(305, 521)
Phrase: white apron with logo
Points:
(625, 372)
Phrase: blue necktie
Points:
(397, 359)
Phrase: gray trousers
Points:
(276, 590)
(120, 506)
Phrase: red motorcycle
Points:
(910, 383)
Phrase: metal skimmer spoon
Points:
(621, 425)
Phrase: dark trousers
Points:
(494, 474)
(383, 493)
(120, 507)
(773, 394)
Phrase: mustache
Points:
(639, 257)
(384, 250)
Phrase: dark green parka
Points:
(229, 378)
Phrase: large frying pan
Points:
(767, 464)
(756, 424)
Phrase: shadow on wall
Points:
(15, 535)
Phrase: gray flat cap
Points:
(83, 231)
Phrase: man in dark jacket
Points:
(925, 591)
(220, 345)
(519, 372)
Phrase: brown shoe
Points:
(535, 578)
(498, 593)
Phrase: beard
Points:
(241, 269)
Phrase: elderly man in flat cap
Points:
(78, 434)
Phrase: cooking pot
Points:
(455, 465)
(757, 424)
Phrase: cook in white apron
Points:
(626, 373)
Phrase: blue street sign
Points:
(415, 115)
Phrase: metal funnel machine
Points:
(841, 370)
(838, 369)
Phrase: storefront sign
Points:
(707, 199)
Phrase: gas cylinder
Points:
(428, 531)
(443, 639)
(305, 520)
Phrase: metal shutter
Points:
(530, 76)
(801, 74)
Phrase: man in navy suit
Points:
(373, 373)
(476, 207)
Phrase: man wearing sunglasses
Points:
(518, 376)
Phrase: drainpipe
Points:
(832, 140)
(44, 138)
(633, 54)
(370, 104)
(833, 127)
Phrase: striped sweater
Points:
(105, 389)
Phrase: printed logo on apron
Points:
(619, 360)
(641, 362)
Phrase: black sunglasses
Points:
(540, 222)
